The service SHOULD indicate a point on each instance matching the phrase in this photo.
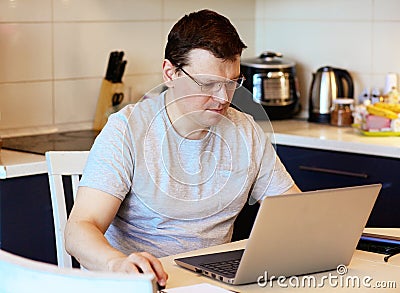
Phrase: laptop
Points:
(380, 240)
(294, 234)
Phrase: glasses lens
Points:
(213, 87)
(231, 85)
(234, 84)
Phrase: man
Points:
(170, 174)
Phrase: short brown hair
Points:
(206, 30)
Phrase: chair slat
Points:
(63, 163)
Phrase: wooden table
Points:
(365, 266)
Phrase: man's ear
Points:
(168, 72)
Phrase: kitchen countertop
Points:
(292, 132)
(301, 133)
(17, 164)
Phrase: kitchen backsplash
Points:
(54, 53)
(357, 35)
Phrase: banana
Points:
(374, 110)
(388, 106)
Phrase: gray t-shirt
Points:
(179, 194)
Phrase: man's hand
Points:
(142, 262)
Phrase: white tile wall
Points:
(386, 47)
(107, 10)
(87, 46)
(358, 35)
(16, 10)
(234, 9)
(321, 11)
(247, 29)
(137, 86)
(386, 10)
(25, 52)
(318, 48)
(54, 53)
(25, 104)
(75, 99)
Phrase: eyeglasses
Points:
(213, 87)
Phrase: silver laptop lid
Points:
(307, 232)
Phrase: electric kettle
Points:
(328, 84)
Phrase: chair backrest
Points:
(22, 275)
(59, 164)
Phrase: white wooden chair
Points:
(22, 275)
(59, 164)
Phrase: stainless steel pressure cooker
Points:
(273, 83)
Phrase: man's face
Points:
(204, 97)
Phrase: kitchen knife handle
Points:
(332, 171)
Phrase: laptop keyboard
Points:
(227, 267)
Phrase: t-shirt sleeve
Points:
(273, 178)
(110, 163)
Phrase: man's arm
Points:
(293, 189)
(91, 215)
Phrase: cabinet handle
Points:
(336, 172)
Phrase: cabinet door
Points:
(26, 221)
(318, 169)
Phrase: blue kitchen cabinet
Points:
(26, 220)
(319, 169)
(314, 169)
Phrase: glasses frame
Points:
(241, 77)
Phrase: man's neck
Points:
(182, 124)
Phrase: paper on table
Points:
(198, 288)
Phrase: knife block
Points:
(104, 102)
